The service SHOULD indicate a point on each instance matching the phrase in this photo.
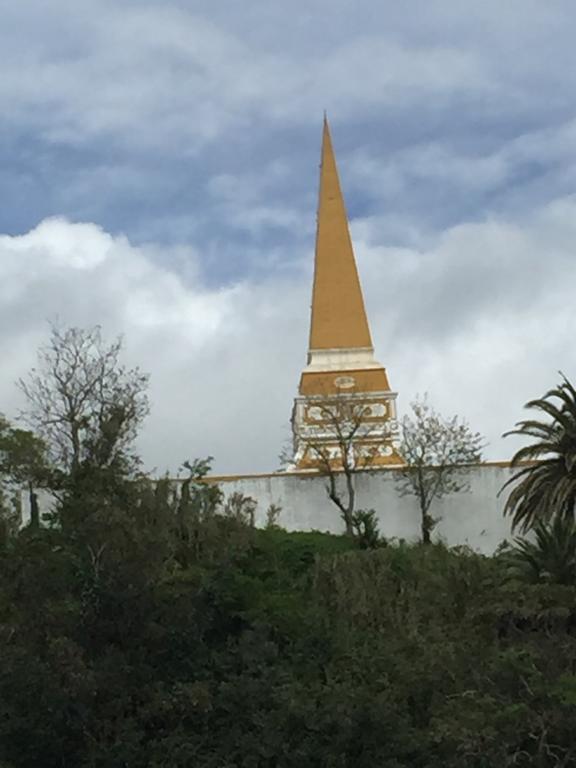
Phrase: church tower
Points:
(344, 403)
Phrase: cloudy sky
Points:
(158, 176)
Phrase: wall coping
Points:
(316, 473)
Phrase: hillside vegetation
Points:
(126, 642)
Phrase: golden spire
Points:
(338, 315)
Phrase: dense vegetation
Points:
(128, 641)
(150, 625)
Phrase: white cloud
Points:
(158, 74)
(482, 320)
(218, 381)
(482, 317)
(150, 115)
(476, 169)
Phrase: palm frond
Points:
(545, 490)
(551, 556)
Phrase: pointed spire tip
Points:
(338, 314)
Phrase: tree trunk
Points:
(34, 509)
(351, 502)
(348, 523)
(425, 526)
(346, 510)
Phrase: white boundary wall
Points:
(474, 518)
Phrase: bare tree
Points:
(82, 401)
(438, 454)
(345, 440)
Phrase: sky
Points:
(159, 173)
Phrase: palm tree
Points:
(546, 487)
(550, 557)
